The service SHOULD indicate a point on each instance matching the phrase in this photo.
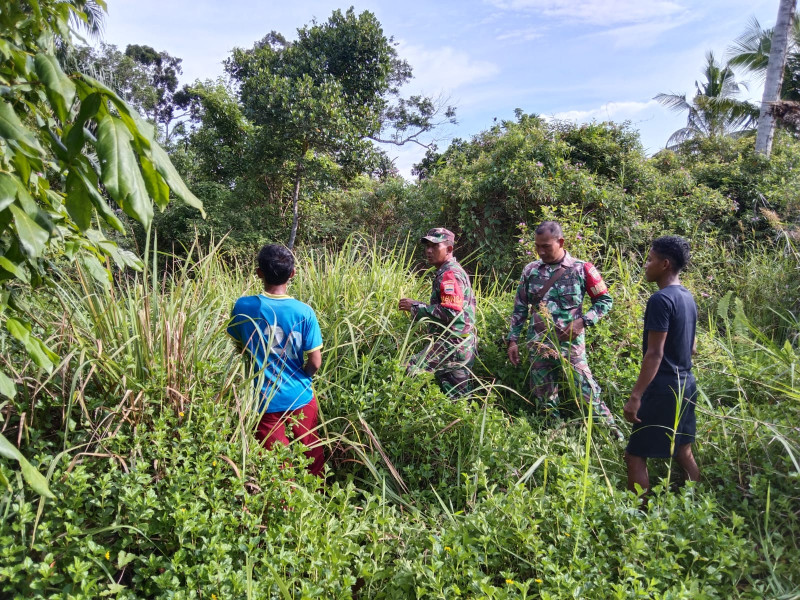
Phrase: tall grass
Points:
(425, 493)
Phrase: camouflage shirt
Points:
(563, 301)
(451, 310)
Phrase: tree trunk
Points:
(295, 202)
(775, 68)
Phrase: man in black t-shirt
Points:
(662, 402)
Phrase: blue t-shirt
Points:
(277, 331)
(673, 310)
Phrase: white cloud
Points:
(611, 111)
(638, 35)
(597, 12)
(444, 69)
(524, 35)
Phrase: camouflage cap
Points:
(438, 235)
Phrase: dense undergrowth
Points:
(145, 437)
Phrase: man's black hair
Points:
(675, 249)
(552, 228)
(276, 263)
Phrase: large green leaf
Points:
(8, 190)
(15, 269)
(89, 180)
(96, 269)
(78, 202)
(35, 479)
(7, 387)
(164, 166)
(59, 88)
(119, 170)
(35, 348)
(12, 128)
(32, 238)
(75, 137)
(143, 131)
(156, 186)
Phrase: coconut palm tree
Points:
(773, 82)
(714, 111)
(751, 52)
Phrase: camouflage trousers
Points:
(548, 371)
(452, 368)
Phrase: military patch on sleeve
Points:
(595, 285)
(452, 296)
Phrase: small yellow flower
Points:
(214, 464)
(180, 414)
(538, 581)
(108, 555)
(566, 534)
(448, 549)
(213, 597)
(183, 510)
(509, 581)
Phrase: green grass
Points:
(144, 434)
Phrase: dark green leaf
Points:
(165, 167)
(120, 172)
(13, 268)
(8, 190)
(59, 88)
(79, 204)
(156, 186)
(35, 479)
(12, 128)
(7, 387)
(76, 138)
(32, 237)
(35, 348)
(89, 181)
(96, 269)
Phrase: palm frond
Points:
(674, 102)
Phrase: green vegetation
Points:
(145, 438)
(129, 467)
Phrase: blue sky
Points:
(568, 59)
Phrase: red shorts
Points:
(272, 428)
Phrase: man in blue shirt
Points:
(278, 332)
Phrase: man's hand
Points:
(631, 408)
(405, 304)
(572, 331)
(513, 353)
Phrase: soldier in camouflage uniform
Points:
(556, 330)
(450, 315)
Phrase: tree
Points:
(143, 77)
(751, 51)
(325, 96)
(774, 76)
(714, 111)
(62, 137)
(162, 72)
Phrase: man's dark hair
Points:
(675, 249)
(552, 228)
(276, 263)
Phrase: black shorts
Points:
(663, 418)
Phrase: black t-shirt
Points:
(673, 310)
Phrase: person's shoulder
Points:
(456, 267)
(662, 298)
(531, 267)
(244, 303)
(301, 307)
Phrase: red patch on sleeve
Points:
(595, 285)
(452, 296)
